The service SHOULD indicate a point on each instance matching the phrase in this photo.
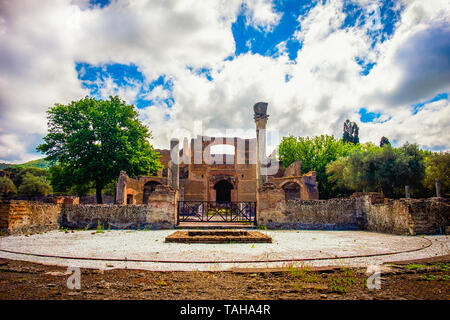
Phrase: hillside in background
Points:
(39, 163)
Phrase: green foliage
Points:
(93, 140)
(20, 173)
(385, 169)
(437, 166)
(384, 141)
(7, 187)
(99, 227)
(34, 186)
(316, 153)
(350, 132)
(415, 266)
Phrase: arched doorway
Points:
(223, 191)
(149, 187)
(291, 191)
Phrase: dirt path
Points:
(26, 280)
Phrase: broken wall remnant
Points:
(362, 211)
(20, 216)
(159, 213)
(136, 190)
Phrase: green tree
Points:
(315, 153)
(350, 132)
(93, 140)
(384, 169)
(19, 174)
(7, 187)
(384, 141)
(437, 165)
(34, 186)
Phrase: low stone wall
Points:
(363, 211)
(19, 216)
(407, 216)
(117, 216)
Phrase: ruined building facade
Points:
(197, 174)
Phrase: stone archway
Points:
(223, 191)
(291, 191)
(149, 187)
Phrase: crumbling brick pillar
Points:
(272, 204)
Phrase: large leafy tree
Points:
(385, 169)
(93, 140)
(315, 153)
(7, 187)
(34, 186)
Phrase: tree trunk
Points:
(98, 192)
(388, 191)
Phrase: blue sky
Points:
(383, 64)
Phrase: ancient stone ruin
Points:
(200, 175)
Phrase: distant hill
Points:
(38, 163)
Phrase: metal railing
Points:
(213, 211)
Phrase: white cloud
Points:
(41, 41)
(261, 13)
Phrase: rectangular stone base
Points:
(218, 236)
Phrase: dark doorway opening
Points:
(149, 187)
(223, 191)
(291, 191)
(129, 199)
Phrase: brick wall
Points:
(159, 213)
(19, 216)
(364, 211)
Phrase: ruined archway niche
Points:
(149, 187)
(291, 191)
(223, 191)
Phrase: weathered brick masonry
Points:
(17, 217)
(361, 211)
(20, 216)
(364, 211)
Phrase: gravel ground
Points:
(287, 245)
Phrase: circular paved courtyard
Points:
(147, 250)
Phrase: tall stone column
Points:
(120, 188)
(438, 187)
(174, 175)
(260, 117)
(407, 192)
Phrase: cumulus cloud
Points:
(261, 14)
(42, 42)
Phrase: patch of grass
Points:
(430, 277)
(261, 227)
(3, 233)
(99, 227)
(415, 266)
(337, 285)
(342, 283)
(302, 273)
(444, 266)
